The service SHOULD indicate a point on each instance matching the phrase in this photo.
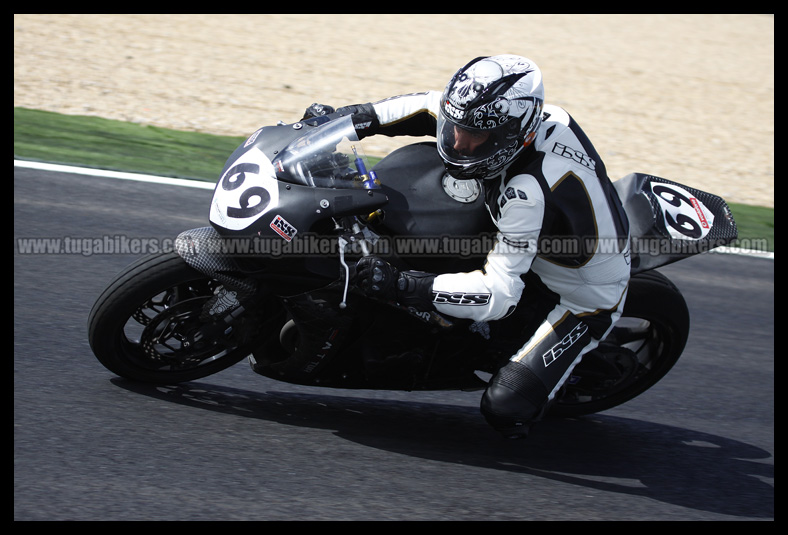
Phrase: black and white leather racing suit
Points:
(558, 215)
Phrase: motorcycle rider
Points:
(543, 179)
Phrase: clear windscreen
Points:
(328, 155)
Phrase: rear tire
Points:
(146, 325)
(643, 346)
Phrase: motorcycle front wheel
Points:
(149, 324)
(643, 346)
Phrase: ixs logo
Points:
(283, 228)
(460, 298)
(552, 354)
(575, 155)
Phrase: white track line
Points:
(115, 174)
(210, 185)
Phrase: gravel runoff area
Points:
(686, 97)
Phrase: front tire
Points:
(148, 324)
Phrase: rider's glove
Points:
(316, 110)
(365, 120)
(377, 278)
(380, 280)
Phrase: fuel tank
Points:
(435, 222)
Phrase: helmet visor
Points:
(463, 145)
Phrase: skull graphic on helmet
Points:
(470, 84)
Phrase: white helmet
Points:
(490, 111)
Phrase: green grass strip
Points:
(755, 225)
(121, 146)
(117, 145)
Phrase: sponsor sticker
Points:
(252, 138)
(283, 228)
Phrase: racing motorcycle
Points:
(270, 279)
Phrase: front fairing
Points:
(284, 179)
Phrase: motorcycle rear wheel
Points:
(147, 326)
(642, 347)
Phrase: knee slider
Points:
(514, 397)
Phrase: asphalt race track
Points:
(236, 446)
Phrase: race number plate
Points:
(246, 191)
